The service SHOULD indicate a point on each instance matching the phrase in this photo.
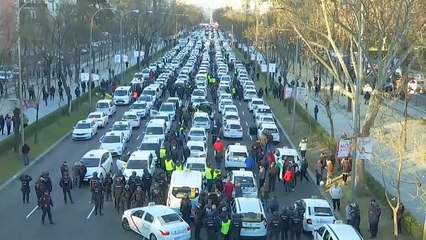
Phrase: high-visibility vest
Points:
(209, 175)
(163, 152)
(169, 165)
(213, 80)
(224, 227)
(179, 168)
(181, 129)
(234, 90)
(216, 173)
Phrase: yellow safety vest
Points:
(163, 152)
(224, 227)
(214, 80)
(179, 168)
(216, 173)
(209, 175)
(234, 90)
(169, 165)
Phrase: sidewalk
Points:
(392, 114)
(53, 105)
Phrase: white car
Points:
(255, 102)
(230, 116)
(197, 134)
(229, 109)
(233, 129)
(100, 117)
(262, 110)
(114, 142)
(336, 231)
(150, 101)
(253, 216)
(85, 129)
(177, 101)
(138, 161)
(196, 100)
(249, 94)
(264, 119)
(140, 108)
(271, 128)
(235, 156)
(199, 93)
(168, 108)
(247, 182)
(223, 103)
(165, 117)
(196, 164)
(201, 119)
(97, 160)
(156, 222)
(197, 148)
(123, 127)
(317, 213)
(132, 118)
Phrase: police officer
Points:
(138, 197)
(93, 182)
(285, 223)
(46, 182)
(374, 213)
(236, 224)
(98, 196)
(198, 220)
(118, 189)
(64, 168)
(275, 226)
(225, 225)
(138, 182)
(296, 225)
(66, 184)
(156, 194)
(25, 187)
(211, 226)
(83, 171)
(46, 204)
(132, 181)
(185, 208)
(126, 197)
(108, 186)
(38, 187)
(146, 182)
(178, 166)
(169, 166)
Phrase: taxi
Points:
(201, 119)
(317, 213)
(289, 153)
(197, 148)
(235, 156)
(253, 216)
(197, 134)
(123, 127)
(140, 107)
(336, 231)
(271, 128)
(137, 162)
(254, 102)
(132, 118)
(233, 129)
(168, 108)
(84, 130)
(247, 182)
(156, 222)
(97, 160)
(196, 164)
(100, 117)
(114, 142)
(184, 183)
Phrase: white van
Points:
(253, 217)
(336, 231)
(137, 162)
(156, 128)
(182, 183)
(122, 95)
(106, 106)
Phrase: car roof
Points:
(161, 114)
(112, 133)
(200, 114)
(156, 122)
(104, 101)
(86, 121)
(196, 160)
(184, 178)
(344, 230)
(234, 122)
(242, 173)
(246, 205)
(121, 123)
(195, 143)
(139, 155)
(93, 113)
(256, 99)
(151, 140)
(95, 153)
(287, 151)
(316, 202)
(269, 125)
(139, 102)
(123, 88)
(237, 148)
(197, 129)
(156, 210)
(129, 113)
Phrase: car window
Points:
(321, 230)
(323, 211)
(170, 218)
(327, 236)
(105, 157)
(138, 213)
(149, 218)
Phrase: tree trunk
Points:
(395, 221)
(372, 111)
(330, 119)
(36, 123)
(359, 178)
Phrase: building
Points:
(7, 25)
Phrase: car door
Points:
(135, 221)
(147, 227)
(319, 233)
(106, 162)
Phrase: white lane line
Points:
(138, 137)
(246, 124)
(251, 138)
(29, 214)
(240, 103)
(242, 112)
(90, 213)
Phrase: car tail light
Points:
(226, 130)
(135, 119)
(240, 130)
(309, 221)
(188, 228)
(109, 109)
(165, 233)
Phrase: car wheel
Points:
(152, 237)
(125, 224)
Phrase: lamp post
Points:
(121, 41)
(139, 47)
(89, 83)
(20, 97)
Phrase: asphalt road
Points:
(76, 221)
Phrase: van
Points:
(184, 183)
(137, 162)
(156, 128)
(336, 231)
(122, 95)
(106, 106)
(254, 223)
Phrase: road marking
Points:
(251, 138)
(240, 103)
(242, 112)
(246, 124)
(29, 214)
(90, 213)
(138, 137)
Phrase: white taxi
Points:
(197, 134)
(196, 164)
(123, 127)
(233, 129)
(84, 130)
(249, 94)
(166, 117)
(100, 117)
(137, 162)
(141, 108)
(168, 108)
(197, 148)
(235, 156)
(97, 160)
(132, 118)
(177, 101)
(122, 95)
(114, 142)
(264, 120)
(156, 222)
(271, 128)
(230, 109)
(262, 110)
(317, 213)
(336, 231)
(253, 216)
(223, 103)
(247, 182)
(255, 102)
(230, 116)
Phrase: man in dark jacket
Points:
(26, 154)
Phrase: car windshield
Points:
(244, 181)
(94, 116)
(197, 148)
(250, 92)
(149, 146)
(120, 127)
(264, 110)
(146, 98)
(111, 139)
(167, 108)
(198, 93)
(90, 162)
(137, 164)
(130, 116)
(252, 217)
(196, 166)
(120, 93)
(138, 106)
(257, 102)
(149, 92)
(154, 131)
(232, 117)
(197, 133)
(271, 130)
(174, 101)
(197, 100)
(323, 211)
(267, 119)
(82, 126)
(289, 157)
(102, 105)
(170, 218)
(201, 119)
(180, 192)
(230, 109)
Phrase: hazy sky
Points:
(214, 3)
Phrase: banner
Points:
(263, 68)
(343, 148)
(139, 54)
(84, 77)
(365, 148)
(252, 57)
(288, 92)
(125, 58)
(272, 67)
(117, 58)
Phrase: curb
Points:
(18, 174)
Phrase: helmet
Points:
(198, 205)
(133, 173)
(65, 163)
(127, 186)
(108, 174)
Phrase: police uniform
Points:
(108, 187)
(211, 226)
(46, 204)
(168, 164)
(236, 224)
(126, 197)
(118, 188)
(146, 183)
(98, 196)
(275, 226)
(139, 197)
(296, 225)
(25, 187)
(285, 224)
(198, 220)
(209, 177)
(66, 184)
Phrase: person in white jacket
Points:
(336, 194)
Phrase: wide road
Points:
(75, 221)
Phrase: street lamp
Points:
(139, 47)
(121, 41)
(18, 31)
(89, 85)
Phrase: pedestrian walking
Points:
(118, 188)
(275, 226)
(367, 96)
(374, 213)
(198, 221)
(236, 225)
(273, 175)
(66, 184)
(316, 110)
(25, 187)
(336, 194)
(225, 225)
(288, 180)
(303, 147)
(2, 124)
(304, 169)
(8, 121)
(46, 204)
(26, 154)
(75, 173)
(318, 171)
(296, 225)
(330, 169)
(218, 158)
(98, 197)
(108, 186)
(261, 177)
(346, 169)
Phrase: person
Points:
(316, 110)
(108, 186)
(138, 196)
(178, 166)
(274, 205)
(198, 220)
(118, 188)
(66, 184)
(83, 171)
(225, 225)
(64, 168)
(288, 180)
(303, 147)
(296, 225)
(249, 163)
(285, 223)
(185, 208)
(346, 169)
(273, 173)
(218, 158)
(218, 145)
(75, 173)
(330, 170)
(26, 154)
(169, 166)
(374, 213)
(126, 197)
(348, 213)
(211, 226)
(146, 183)
(46, 204)
(304, 169)
(336, 194)
(228, 188)
(275, 226)
(92, 183)
(367, 96)
(98, 196)
(209, 177)
(236, 225)
(25, 187)
(318, 171)
(156, 194)
(261, 176)
(355, 216)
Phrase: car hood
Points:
(128, 172)
(80, 131)
(108, 146)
